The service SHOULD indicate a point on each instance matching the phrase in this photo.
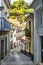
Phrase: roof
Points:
(35, 3)
(29, 16)
(7, 2)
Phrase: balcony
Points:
(4, 25)
(1, 5)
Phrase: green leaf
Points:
(20, 7)
(12, 17)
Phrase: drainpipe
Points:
(42, 13)
(42, 5)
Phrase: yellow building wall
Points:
(30, 47)
(32, 37)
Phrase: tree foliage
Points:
(19, 8)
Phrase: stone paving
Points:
(17, 58)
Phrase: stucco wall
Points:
(2, 3)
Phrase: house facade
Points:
(30, 37)
(38, 30)
(4, 28)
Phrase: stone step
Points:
(39, 63)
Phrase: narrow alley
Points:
(17, 58)
(21, 32)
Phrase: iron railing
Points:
(4, 24)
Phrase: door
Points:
(2, 49)
(5, 46)
(42, 48)
(0, 53)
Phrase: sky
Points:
(29, 1)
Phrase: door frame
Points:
(3, 38)
(41, 51)
(5, 43)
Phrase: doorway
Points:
(42, 48)
(2, 48)
(5, 46)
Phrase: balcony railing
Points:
(4, 24)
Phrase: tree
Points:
(19, 8)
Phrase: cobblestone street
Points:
(17, 58)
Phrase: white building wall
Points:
(5, 9)
(8, 45)
(11, 36)
(22, 46)
(37, 56)
(38, 32)
(14, 36)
